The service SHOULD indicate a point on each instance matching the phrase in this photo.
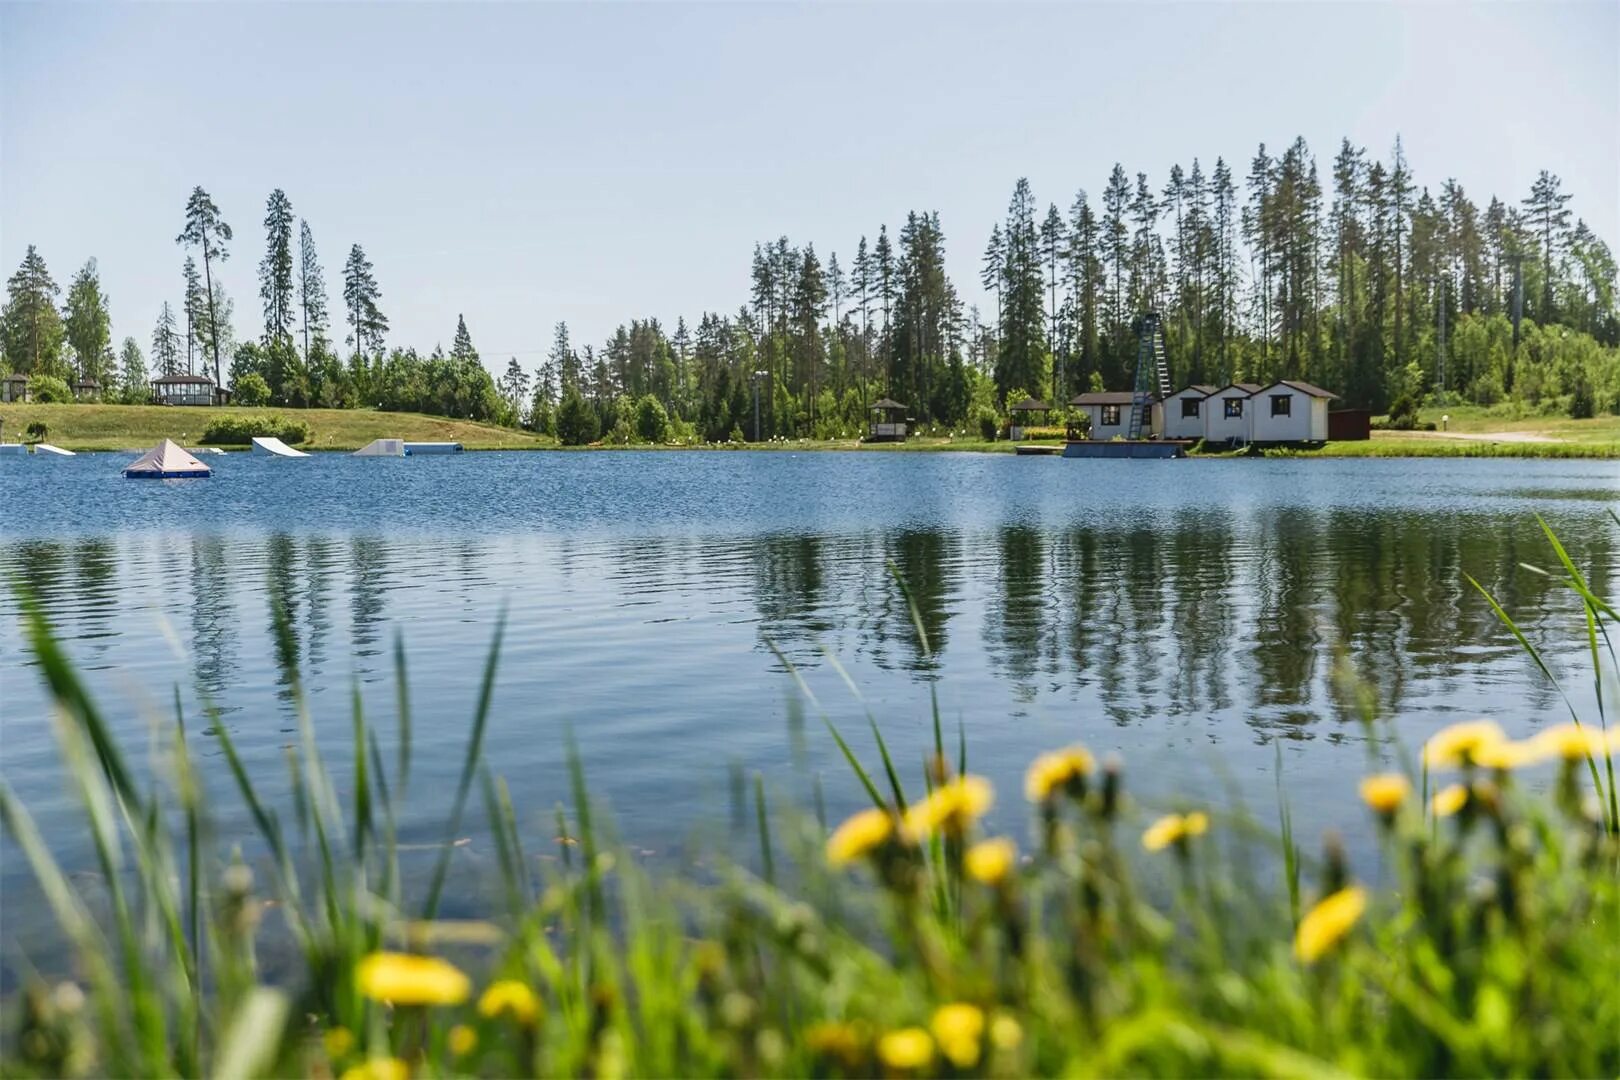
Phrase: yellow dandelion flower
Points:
(1385, 792)
(835, 1040)
(1326, 924)
(1006, 1033)
(1460, 743)
(1174, 829)
(378, 1069)
(952, 806)
(909, 1048)
(409, 979)
(958, 1029)
(859, 835)
(338, 1042)
(1448, 800)
(1507, 755)
(1056, 770)
(1570, 742)
(990, 861)
(509, 997)
(463, 1040)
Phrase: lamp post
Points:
(758, 375)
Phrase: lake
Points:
(1186, 615)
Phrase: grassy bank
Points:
(907, 941)
(139, 427)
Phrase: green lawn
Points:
(138, 427)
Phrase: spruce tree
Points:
(276, 270)
(360, 295)
(311, 291)
(132, 373)
(88, 325)
(1548, 213)
(196, 308)
(166, 343)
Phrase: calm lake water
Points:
(1186, 615)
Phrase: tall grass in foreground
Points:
(909, 942)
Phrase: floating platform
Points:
(166, 461)
(414, 448)
(1126, 448)
(52, 451)
(13, 448)
(382, 448)
(1037, 451)
(265, 446)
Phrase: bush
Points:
(251, 389)
(652, 422)
(988, 425)
(38, 431)
(236, 429)
(49, 390)
(576, 420)
(1403, 414)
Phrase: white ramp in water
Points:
(414, 448)
(54, 451)
(265, 446)
(382, 448)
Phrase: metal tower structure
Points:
(1152, 372)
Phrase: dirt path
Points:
(1477, 436)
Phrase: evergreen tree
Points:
(206, 229)
(1548, 213)
(276, 270)
(360, 295)
(30, 326)
(514, 386)
(1021, 355)
(564, 359)
(196, 308)
(88, 325)
(166, 343)
(1052, 243)
(132, 373)
(311, 290)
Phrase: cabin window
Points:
(1110, 416)
(1189, 408)
(1234, 408)
(1281, 404)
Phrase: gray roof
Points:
(175, 380)
(1305, 388)
(1204, 389)
(1108, 397)
(1248, 388)
(887, 403)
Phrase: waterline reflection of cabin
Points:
(1031, 412)
(888, 421)
(188, 390)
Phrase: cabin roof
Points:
(1249, 389)
(1202, 389)
(1030, 404)
(182, 380)
(1305, 388)
(887, 403)
(1108, 397)
(16, 376)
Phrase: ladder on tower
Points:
(1152, 373)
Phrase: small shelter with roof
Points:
(1184, 411)
(1031, 412)
(166, 461)
(1110, 414)
(1227, 413)
(14, 388)
(1290, 411)
(87, 389)
(888, 421)
(188, 390)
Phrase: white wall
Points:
(1178, 427)
(1123, 428)
(1217, 428)
(1305, 422)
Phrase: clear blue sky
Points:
(524, 163)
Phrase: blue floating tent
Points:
(166, 461)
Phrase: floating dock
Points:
(414, 448)
(1126, 448)
(13, 448)
(382, 448)
(1037, 451)
(166, 461)
(266, 446)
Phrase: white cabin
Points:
(1227, 413)
(1290, 411)
(1184, 412)
(1110, 414)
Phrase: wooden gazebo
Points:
(87, 389)
(188, 390)
(14, 388)
(888, 421)
(1031, 412)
